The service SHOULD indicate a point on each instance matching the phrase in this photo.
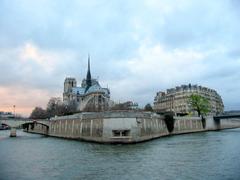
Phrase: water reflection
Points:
(207, 155)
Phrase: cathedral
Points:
(89, 97)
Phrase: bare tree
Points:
(38, 113)
(70, 108)
(55, 107)
(148, 107)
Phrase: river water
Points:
(206, 155)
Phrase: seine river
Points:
(207, 155)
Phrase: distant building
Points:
(176, 100)
(128, 105)
(6, 114)
(90, 96)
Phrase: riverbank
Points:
(124, 126)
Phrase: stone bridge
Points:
(23, 123)
(223, 122)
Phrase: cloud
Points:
(156, 68)
(23, 98)
(30, 65)
(46, 60)
(30, 74)
(137, 47)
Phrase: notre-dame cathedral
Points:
(90, 96)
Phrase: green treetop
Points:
(200, 104)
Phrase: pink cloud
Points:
(24, 99)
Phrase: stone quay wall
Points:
(229, 123)
(187, 125)
(117, 127)
(126, 126)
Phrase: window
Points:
(116, 133)
(120, 133)
(99, 99)
(125, 133)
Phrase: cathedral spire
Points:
(88, 62)
(88, 78)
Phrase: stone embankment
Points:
(125, 126)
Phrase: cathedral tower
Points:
(69, 83)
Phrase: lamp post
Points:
(14, 106)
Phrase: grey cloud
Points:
(113, 32)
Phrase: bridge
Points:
(27, 124)
(229, 116)
(224, 121)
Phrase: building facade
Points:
(89, 97)
(177, 100)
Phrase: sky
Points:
(137, 48)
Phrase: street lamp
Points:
(14, 106)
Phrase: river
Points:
(205, 155)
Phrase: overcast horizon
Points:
(137, 48)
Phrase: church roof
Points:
(92, 89)
(95, 88)
(89, 85)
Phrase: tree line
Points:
(55, 107)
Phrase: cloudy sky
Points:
(137, 48)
